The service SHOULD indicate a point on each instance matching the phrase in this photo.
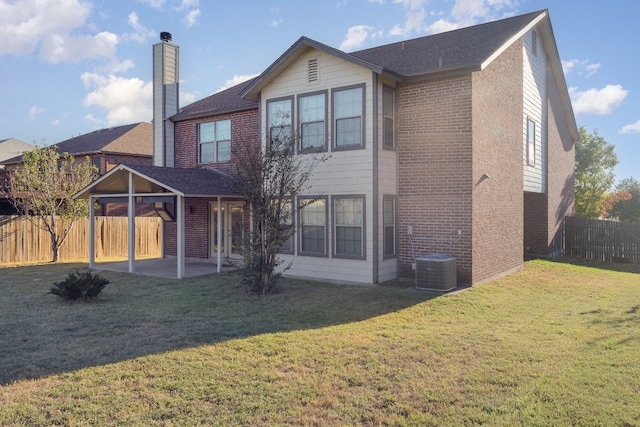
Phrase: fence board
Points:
(598, 240)
(23, 241)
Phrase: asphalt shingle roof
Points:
(464, 48)
(222, 102)
(186, 180)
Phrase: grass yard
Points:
(554, 344)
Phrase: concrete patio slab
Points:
(164, 267)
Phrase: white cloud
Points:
(141, 33)
(155, 4)
(355, 37)
(76, 48)
(55, 122)
(50, 27)
(192, 12)
(632, 128)
(597, 101)
(442, 25)
(277, 18)
(341, 3)
(235, 80)
(34, 111)
(124, 100)
(582, 67)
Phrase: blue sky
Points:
(69, 67)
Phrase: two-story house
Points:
(459, 143)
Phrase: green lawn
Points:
(554, 344)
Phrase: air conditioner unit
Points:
(436, 272)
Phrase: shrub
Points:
(83, 285)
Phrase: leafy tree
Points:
(42, 188)
(269, 179)
(594, 176)
(627, 207)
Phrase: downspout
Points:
(375, 217)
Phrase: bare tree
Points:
(42, 188)
(269, 179)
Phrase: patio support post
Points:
(92, 233)
(219, 234)
(131, 224)
(180, 236)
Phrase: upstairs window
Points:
(531, 142)
(348, 117)
(214, 141)
(279, 119)
(389, 117)
(312, 114)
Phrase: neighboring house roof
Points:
(226, 101)
(133, 139)
(12, 147)
(186, 182)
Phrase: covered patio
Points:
(167, 189)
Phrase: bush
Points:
(82, 285)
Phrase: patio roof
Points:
(155, 179)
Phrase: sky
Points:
(69, 67)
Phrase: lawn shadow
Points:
(610, 266)
(136, 316)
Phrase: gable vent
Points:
(312, 70)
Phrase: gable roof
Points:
(226, 101)
(465, 49)
(133, 139)
(157, 179)
(12, 147)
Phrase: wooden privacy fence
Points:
(598, 240)
(23, 241)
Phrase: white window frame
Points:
(304, 120)
(389, 224)
(388, 93)
(531, 142)
(279, 120)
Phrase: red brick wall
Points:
(196, 229)
(434, 182)
(535, 224)
(498, 204)
(244, 131)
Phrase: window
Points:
(214, 141)
(531, 142)
(313, 231)
(348, 214)
(389, 117)
(279, 118)
(286, 218)
(389, 224)
(348, 117)
(97, 163)
(312, 113)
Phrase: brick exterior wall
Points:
(498, 204)
(244, 135)
(535, 224)
(244, 131)
(435, 171)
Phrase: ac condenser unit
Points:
(436, 272)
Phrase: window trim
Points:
(334, 135)
(215, 142)
(394, 254)
(334, 226)
(531, 143)
(394, 93)
(300, 123)
(299, 225)
(291, 119)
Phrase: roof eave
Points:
(179, 117)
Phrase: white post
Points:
(219, 231)
(132, 224)
(180, 236)
(92, 233)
